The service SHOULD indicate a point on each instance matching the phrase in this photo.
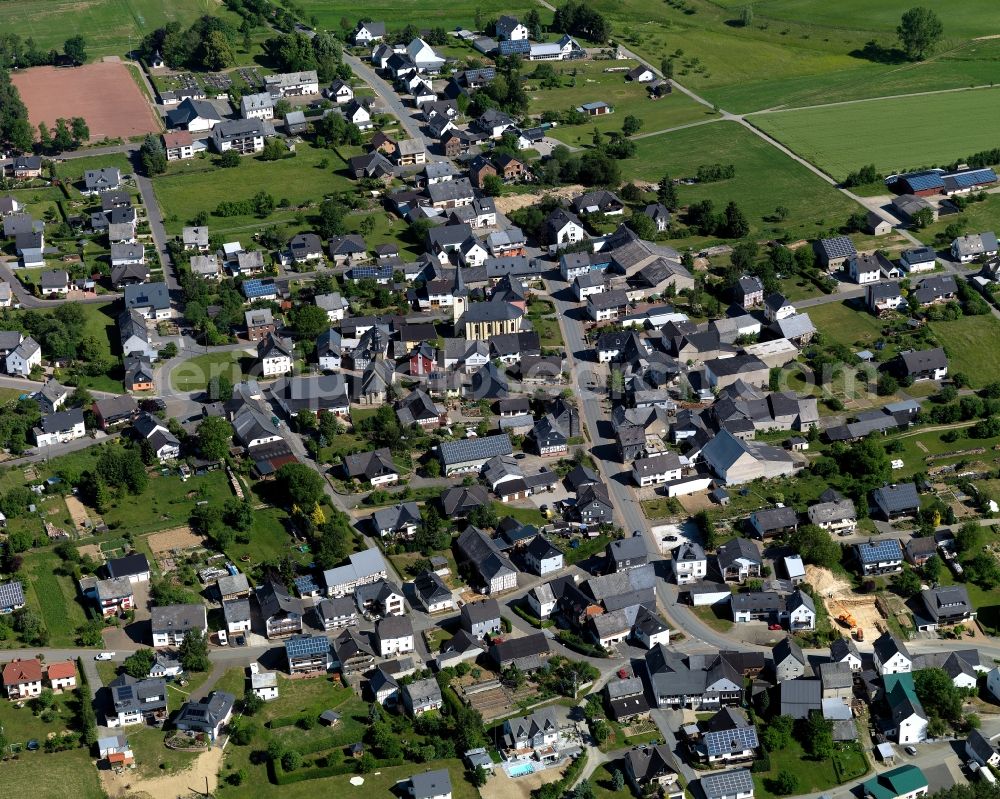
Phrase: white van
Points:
(104, 656)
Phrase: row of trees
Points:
(15, 53)
(15, 130)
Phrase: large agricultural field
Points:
(801, 53)
(109, 26)
(397, 13)
(813, 205)
(841, 138)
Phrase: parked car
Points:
(774, 626)
(104, 656)
(910, 750)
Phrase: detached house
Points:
(883, 556)
(891, 655)
(22, 679)
(276, 355)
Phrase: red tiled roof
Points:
(62, 670)
(22, 671)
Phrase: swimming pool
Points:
(520, 770)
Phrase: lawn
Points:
(845, 324)
(872, 129)
(151, 756)
(73, 169)
(976, 216)
(270, 540)
(196, 373)
(523, 515)
(714, 617)
(188, 189)
(963, 342)
(277, 721)
(588, 82)
(20, 724)
(602, 781)
(813, 205)
(39, 774)
(167, 502)
(847, 764)
(109, 26)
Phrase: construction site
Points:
(857, 615)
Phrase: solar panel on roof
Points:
(973, 178)
(308, 645)
(734, 740)
(923, 181)
(887, 549)
(839, 247)
(728, 782)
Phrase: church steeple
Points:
(459, 297)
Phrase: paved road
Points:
(392, 101)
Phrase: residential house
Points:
(137, 701)
(432, 593)
(891, 655)
(431, 785)
(11, 597)
(59, 428)
(171, 622)
(24, 357)
(207, 716)
(394, 635)
(896, 500)
(771, 522)
(541, 557)
(492, 571)
(282, 614)
(882, 556)
(650, 767)
(309, 653)
(945, 606)
(481, 618)
(537, 735)
(836, 516)
(689, 563)
(739, 560)
(735, 784)
(972, 246)
(22, 679)
(396, 521)
(276, 355)
(422, 696)
(929, 364)
(834, 253)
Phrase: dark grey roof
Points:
(799, 697)
(917, 361)
(887, 645)
(727, 783)
(147, 295)
(736, 549)
(947, 601)
(480, 612)
(472, 449)
(128, 565)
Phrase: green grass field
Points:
(964, 342)
(812, 775)
(107, 25)
(54, 596)
(813, 206)
(196, 373)
(841, 138)
(799, 53)
(198, 185)
(462, 13)
(40, 774)
(845, 324)
(592, 83)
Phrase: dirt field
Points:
(500, 786)
(514, 201)
(182, 784)
(839, 598)
(104, 94)
(177, 538)
(77, 512)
